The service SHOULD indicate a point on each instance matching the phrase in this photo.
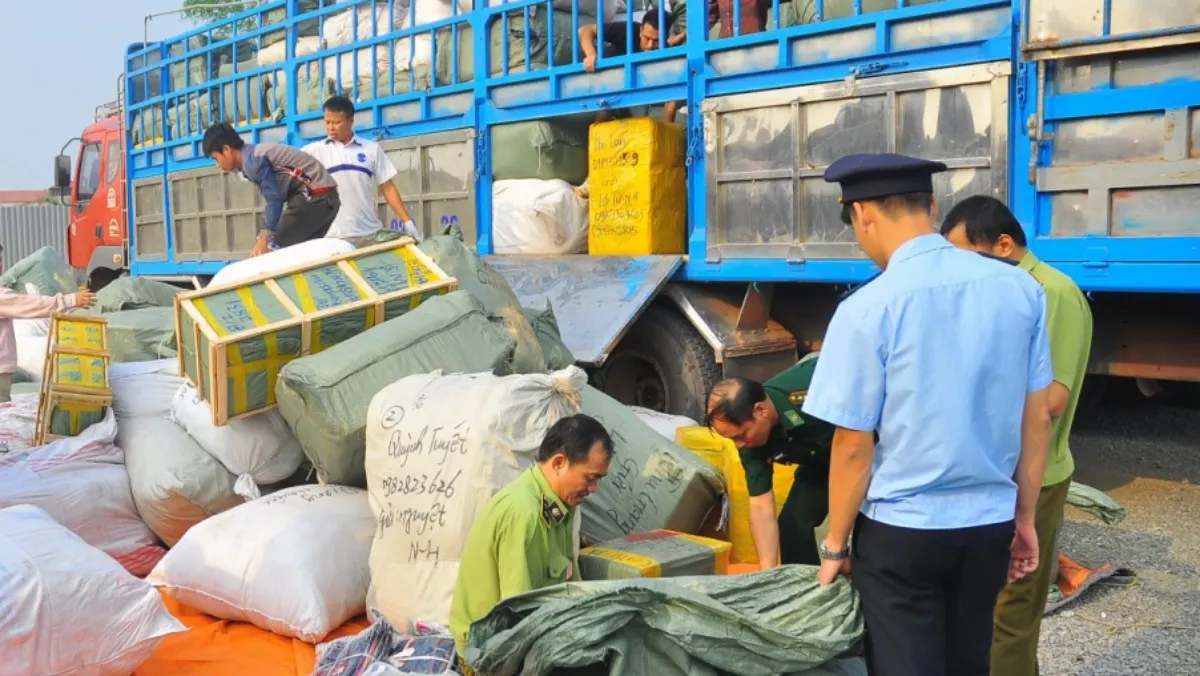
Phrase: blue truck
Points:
(1082, 115)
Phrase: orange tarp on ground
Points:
(213, 647)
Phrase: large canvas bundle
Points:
(324, 397)
(438, 448)
(653, 483)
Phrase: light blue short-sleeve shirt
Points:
(937, 354)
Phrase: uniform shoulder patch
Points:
(793, 417)
(796, 398)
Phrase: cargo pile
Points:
(310, 457)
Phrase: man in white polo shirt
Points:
(358, 166)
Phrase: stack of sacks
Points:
(483, 282)
(460, 439)
(324, 397)
(82, 482)
(653, 483)
(67, 607)
(43, 273)
(294, 563)
(722, 454)
(135, 293)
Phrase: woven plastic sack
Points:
(134, 293)
(44, 272)
(545, 327)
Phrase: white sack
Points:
(663, 423)
(175, 483)
(67, 608)
(17, 420)
(259, 449)
(144, 387)
(277, 52)
(294, 563)
(532, 216)
(81, 481)
(23, 328)
(31, 356)
(451, 442)
(280, 259)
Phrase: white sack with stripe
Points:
(81, 482)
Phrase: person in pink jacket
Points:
(15, 305)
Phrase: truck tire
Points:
(662, 364)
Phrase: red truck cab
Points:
(96, 235)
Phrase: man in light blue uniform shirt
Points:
(945, 354)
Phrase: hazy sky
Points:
(59, 59)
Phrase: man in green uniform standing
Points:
(766, 424)
(525, 537)
(985, 225)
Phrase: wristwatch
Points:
(827, 555)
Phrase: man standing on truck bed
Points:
(945, 354)
(766, 424)
(985, 225)
(302, 198)
(645, 39)
(360, 168)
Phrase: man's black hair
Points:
(984, 218)
(733, 399)
(897, 205)
(220, 135)
(340, 104)
(650, 18)
(574, 437)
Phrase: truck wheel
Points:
(662, 364)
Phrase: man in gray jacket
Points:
(302, 198)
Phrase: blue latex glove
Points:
(408, 227)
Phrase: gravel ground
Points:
(1147, 457)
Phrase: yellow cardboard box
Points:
(659, 553)
(722, 454)
(637, 181)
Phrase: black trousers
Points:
(805, 509)
(928, 596)
(305, 218)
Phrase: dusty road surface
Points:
(1147, 457)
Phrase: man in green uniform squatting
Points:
(764, 421)
(524, 539)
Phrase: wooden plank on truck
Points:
(233, 339)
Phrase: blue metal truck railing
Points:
(844, 42)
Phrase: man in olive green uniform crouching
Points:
(766, 424)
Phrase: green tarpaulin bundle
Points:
(780, 621)
(545, 327)
(540, 149)
(1095, 502)
(324, 397)
(653, 482)
(45, 269)
(135, 293)
(482, 280)
(141, 335)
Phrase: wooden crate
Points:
(233, 339)
(75, 390)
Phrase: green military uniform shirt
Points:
(1069, 325)
(798, 439)
(523, 540)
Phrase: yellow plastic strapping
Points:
(307, 305)
(721, 550)
(646, 566)
(372, 320)
(272, 361)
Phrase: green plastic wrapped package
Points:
(505, 50)
(653, 483)
(482, 280)
(46, 270)
(1095, 502)
(135, 293)
(324, 397)
(545, 327)
(540, 149)
(141, 335)
(780, 621)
